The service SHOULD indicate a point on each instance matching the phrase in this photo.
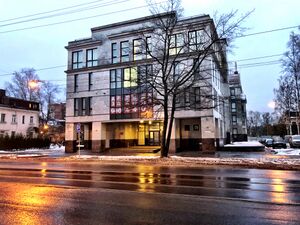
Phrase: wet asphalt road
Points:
(96, 193)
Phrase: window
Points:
(232, 91)
(14, 118)
(76, 107)
(31, 120)
(23, 119)
(187, 127)
(91, 57)
(75, 82)
(124, 51)
(176, 44)
(233, 107)
(82, 106)
(178, 69)
(187, 97)
(90, 81)
(234, 131)
(77, 59)
(2, 118)
(130, 77)
(149, 47)
(137, 49)
(196, 40)
(196, 70)
(114, 53)
(234, 120)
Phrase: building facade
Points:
(18, 116)
(238, 103)
(103, 111)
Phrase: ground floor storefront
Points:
(188, 134)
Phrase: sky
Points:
(43, 46)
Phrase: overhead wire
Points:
(113, 2)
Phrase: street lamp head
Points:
(33, 84)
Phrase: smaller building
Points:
(238, 103)
(58, 111)
(18, 116)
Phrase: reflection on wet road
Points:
(256, 185)
(43, 186)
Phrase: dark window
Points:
(187, 97)
(2, 118)
(77, 59)
(14, 118)
(196, 40)
(124, 51)
(196, 70)
(31, 120)
(91, 57)
(232, 91)
(23, 119)
(90, 81)
(75, 82)
(82, 106)
(187, 127)
(114, 53)
(148, 47)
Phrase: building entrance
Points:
(154, 137)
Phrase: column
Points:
(208, 134)
(70, 138)
(98, 137)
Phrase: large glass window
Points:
(114, 53)
(92, 57)
(82, 106)
(77, 59)
(125, 51)
(176, 44)
(196, 40)
(137, 49)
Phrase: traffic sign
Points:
(78, 127)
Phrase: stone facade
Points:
(96, 100)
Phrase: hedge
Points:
(19, 142)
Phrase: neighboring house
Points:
(102, 112)
(18, 116)
(238, 103)
(56, 125)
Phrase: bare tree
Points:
(45, 92)
(287, 96)
(182, 62)
(19, 86)
(254, 122)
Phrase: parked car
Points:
(268, 142)
(279, 144)
(295, 141)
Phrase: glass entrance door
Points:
(154, 138)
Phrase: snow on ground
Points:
(245, 143)
(287, 151)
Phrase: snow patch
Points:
(245, 143)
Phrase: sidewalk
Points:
(261, 160)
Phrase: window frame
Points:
(114, 53)
(125, 57)
(78, 63)
(94, 57)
